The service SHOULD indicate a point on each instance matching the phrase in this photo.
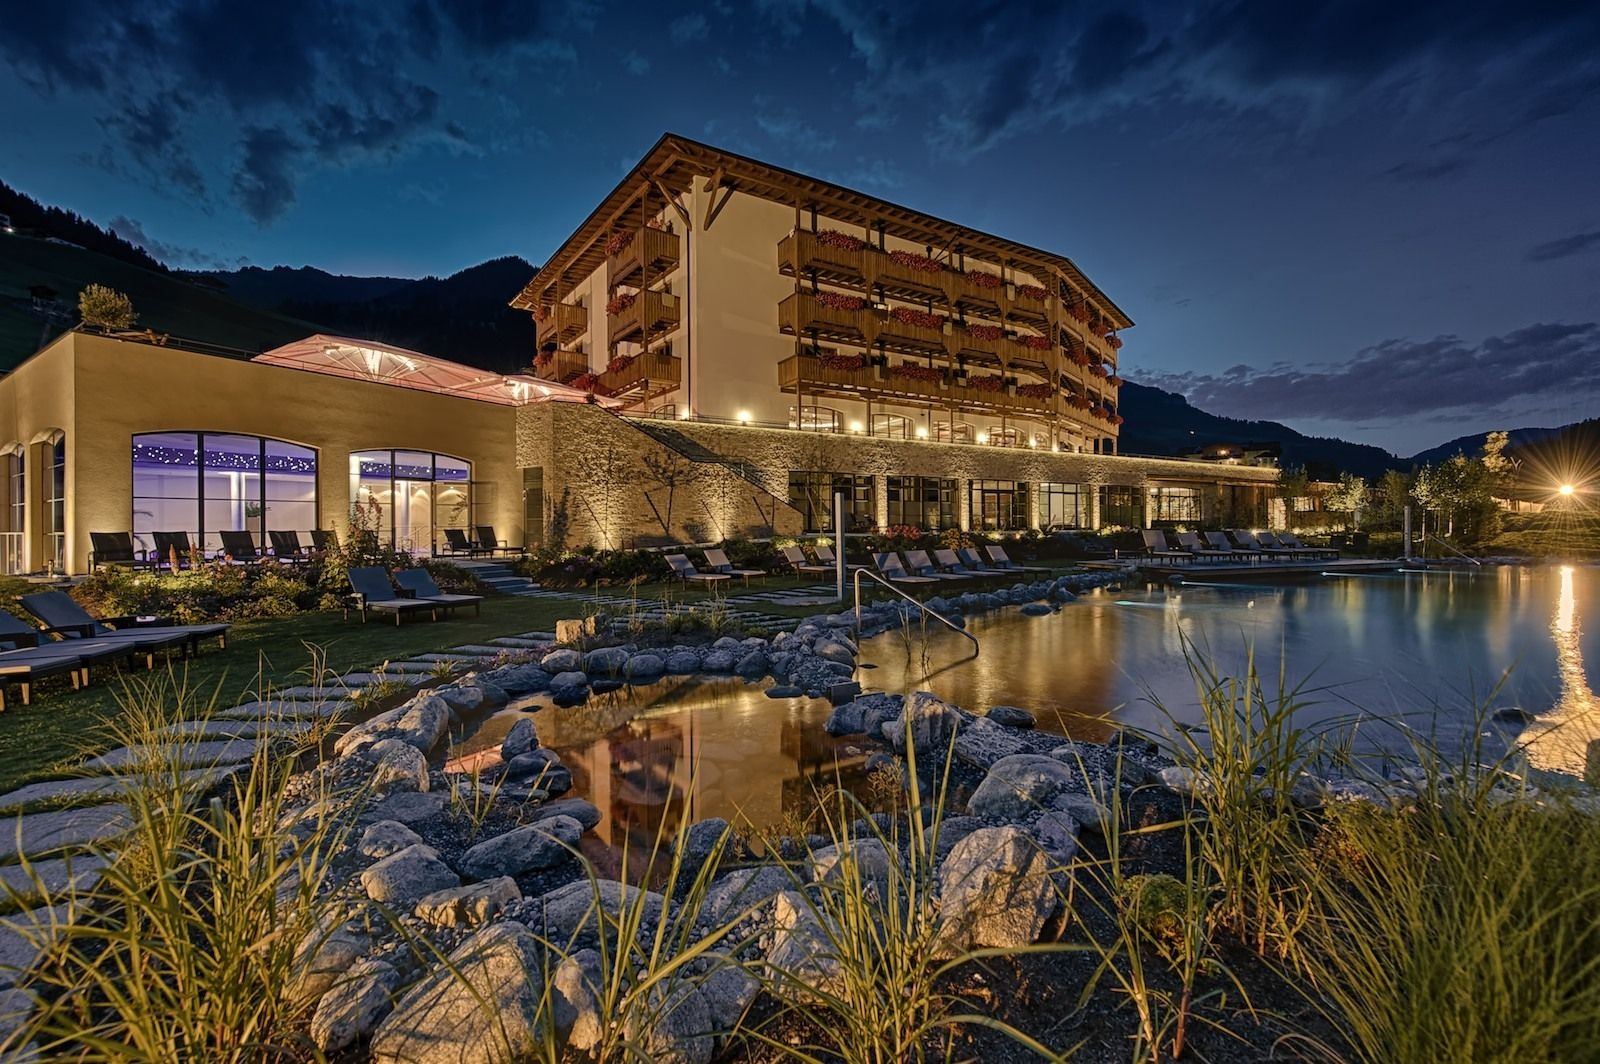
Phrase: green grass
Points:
(1559, 533)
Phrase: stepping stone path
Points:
(55, 875)
(37, 834)
(93, 788)
(287, 709)
(239, 728)
(203, 753)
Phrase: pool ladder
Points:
(935, 614)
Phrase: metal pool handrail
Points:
(935, 614)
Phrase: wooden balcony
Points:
(652, 252)
(650, 374)
(562, 367)
(565, 323)
(1025, 307)
(967, 344)
(802, 253)
(651, 314)
(884, 385)
(908, 282)
(965, 290)
(805, 315)
(895, 335)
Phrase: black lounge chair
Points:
(894, 570)
(24, 667)
(286, 546)
(240, 547)
(1248, 541)
(17, 634)
(923, 565)
(372, 591)
(1191, 542)
(1220, 541)
(169, 544)
(490, 544)
(323, 540)
(800, 564)
(947, 560)
(420, 584)
(1156, 546)
(1292, 541)
(116, 548)
(974, 563)
(456, 542)
(67, 620)
(997, 554)
(826, 556)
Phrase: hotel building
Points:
(722, 345)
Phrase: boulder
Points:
(1184, 780)
(719, 661)
(995, 890)
(869, 855)
(563, 660)
(585, 813)
(728, 988)
(753, 665)
(1057, 833)
(407, 875)
(481, 1007)
(351, 1010)
(519, 679)
(926, 724)
(702, 838)
(408, 807)
(386, 837)
(577, 630)
(952, 829)
(644, 668)
(421, 723)
(674, 1028)
(801, 949)
(468, 906)
(1035, 609)
(575, 991)
(323, 957)
(607, 661)
(1011, 717)
(569, 687)
(463, 698)
(835, 650)
(786, 690)
(745, 888)
(683, 662)
(1087, 811)
(522, 737)
(567, 914)
(983, 742)
(397, 766)
(529, 848)
(848, 719)
(1019, 786)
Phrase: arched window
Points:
(894, 426)
(207, 483)
(946, 432)
(409, 499)
(13, 509)
(815, 419)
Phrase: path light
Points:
(855, 427)
(1566, 489)
(743, 417)
(922, 432)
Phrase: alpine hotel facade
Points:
(722, 345)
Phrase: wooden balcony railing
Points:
(803, 253)
(805, 314)
(651, 312)
(652, 251)
(648, 375)
(564, 323)
(883, 384)
(562, 367)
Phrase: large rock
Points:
(869, 857)
(674, 1028)
(607, 661)
(481, 1007)
(702, 838)
(1019, 786)
(1010, 717)
(519, 679)
(526, 849)
(468, 906)
(995, 890)
(1057, 833)
(683, 662)
(386, 837)
(421, 723)
(564, 660)
(569, 687)
(719, 661)
(585, 813)
(644, 668)
(926, 724)
(753, 665)
(403, 877)
(983, 742)
(834, 650)
(397, 766)
(323, 957)
(567, 914)
(848, 719)
(575, 993)
(463, 698)
(351, 1010)
(801, 950)
(742, 890)
(522, 737)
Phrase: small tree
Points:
(105, 308)
(1348, 496)
(1389, 500)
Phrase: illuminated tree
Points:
(105, 308)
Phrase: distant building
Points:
(1250, 454)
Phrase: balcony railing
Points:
(562, 366)
(648, 251)
(650, 313)
(648, 375)
(803, 252)
(564, 323)
(807, 315)
(884, 384)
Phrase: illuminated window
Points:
(998, 505)
(1063, 505)
(815, 419)
(922, 502)
(410, 500)
(812, 494)
(207, 483)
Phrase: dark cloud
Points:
(150, 130)
(1427, 169)
(1442, 377)
(169, 254)
(686, 29)
(264, 182)
(1564, 247)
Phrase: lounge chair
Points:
(1156, 546)
(997, 554)
(974, 562)
(419, 583)
(372, 591)
(23, 667)
(116, 548)
(286, 547)
(922, 565)
(1269, 541)
(69, 621)
(826, 556)
(684, 570)
(1191, 542)
(1220, 542)
(323, 540)
(894, 570)
(169, 544)
(717, 562)
(1292, 541)
(948, 561)
(17, 634)
(456, 542)
(240, 547)
(489, 543)
(800, 564)
(1248, 541)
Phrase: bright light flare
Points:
(1566, 489)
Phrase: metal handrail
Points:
(1446, 545)
(935, 614)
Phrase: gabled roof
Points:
(368, 360)
(673, 164)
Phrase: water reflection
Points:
(1559, 739)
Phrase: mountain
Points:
(29, 217)
(1160, 422)
(1471, 445)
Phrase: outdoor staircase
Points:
(498, 576)
(663, 433)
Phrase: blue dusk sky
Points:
(1375, 220)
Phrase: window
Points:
(1002, 437)
(55, 507)
(814, 419)
(922, 502)
(13, 511)
(207, 483)
(812, 494)
(409, 499)
(894, 426)
(1062, 505)
(946, 432)
(998, 505)
(1178, 505)
(1121, 507)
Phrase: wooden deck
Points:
(1267, 569)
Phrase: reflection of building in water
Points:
(1559, 739)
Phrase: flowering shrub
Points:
(619, 303)
(1079, 357)
(1099, 370)
(1036, 391)
(833, 238)
(991, 382)
(620, 363)
(1114, 380)
(985, 332)
(912, 261)
(1115, 419)
(586, 382)
(984, 280)
(840, 301)
(1114, 341)
(920, 318)
(1035, 343)
(842, 361)
(543, 359)
(912, 371)
(618, 242)
(1032, 291)
(1101, 412)
(1079, 402)
(1079, 312)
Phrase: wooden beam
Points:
(714, 206)
(676, 206)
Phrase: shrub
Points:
(210, 591)
(105, 308)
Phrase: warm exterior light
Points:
(1566, 489)
(743, 416)
(983, 437)
(922, 432)
(855, 426)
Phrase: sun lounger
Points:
(1220, 542)
(974, 562)
(922, 565)
(420, 584)
(169, 544)
(799, 563)
(997, 554)
(1191, 542)
(24, 667)
(1248, 541)
(1156, 546)
(67, 620)
(456, 542)
(717, 562)
(947, 560)
(826, 556)
(286, 547)
(489, 543)
(684, 570)
(116, 548)
(1288, 539)
(372, 591)
(239, 547)
(323, 540)
(894, 570)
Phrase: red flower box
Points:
(834, 239)
(840, 301)
(842, 361)
(541, 313)
(620, 303)
(1079, 358)
(913, 372)
(618, 241)
(1036, 391)
(984, 280)
(1114, 341)
(1036, 343)
(620, 363)
(1032, 291)
(587, 382)
(989, 383)
(985, 332)
(543, 359)
(1114, 380)
(921, 318)
(912, 261)
(1115, 419)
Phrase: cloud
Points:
(169, 254)
(635, 64)
(1416, 170)
(1444, 377)
(685, 29)
(264, 181)
(1563, 247)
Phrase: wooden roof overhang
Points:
(671, 167)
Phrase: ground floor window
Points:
(814, 419)
(411, 500)
(1063, 506)
(13, 510)
(207, 483)
(1121, 507)
(894, 426)
(1177, 505)
(922, 502)
(998, 505)
(812, 494)
(958, 432)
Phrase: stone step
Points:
(356, 680)
(239, 728)
(517, 642)
(277, 708)
(202, 754)
(479, 650)
(40, 834)
(88, 789)
(452, 657)
(51, 877)
(306, 693)
(22, 936)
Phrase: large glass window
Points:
(1178, 505)
(815, 419)
(409, 499)
(812, 494)
(14, 511)
(207, 483)
(55, 507)
(922, 502)
(1121, 507)
(1062, 506)
(998, 505)
(894, 426)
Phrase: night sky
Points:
(1375, 220)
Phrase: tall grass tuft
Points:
(185, 948)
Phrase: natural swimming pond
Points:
(1429, 645)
